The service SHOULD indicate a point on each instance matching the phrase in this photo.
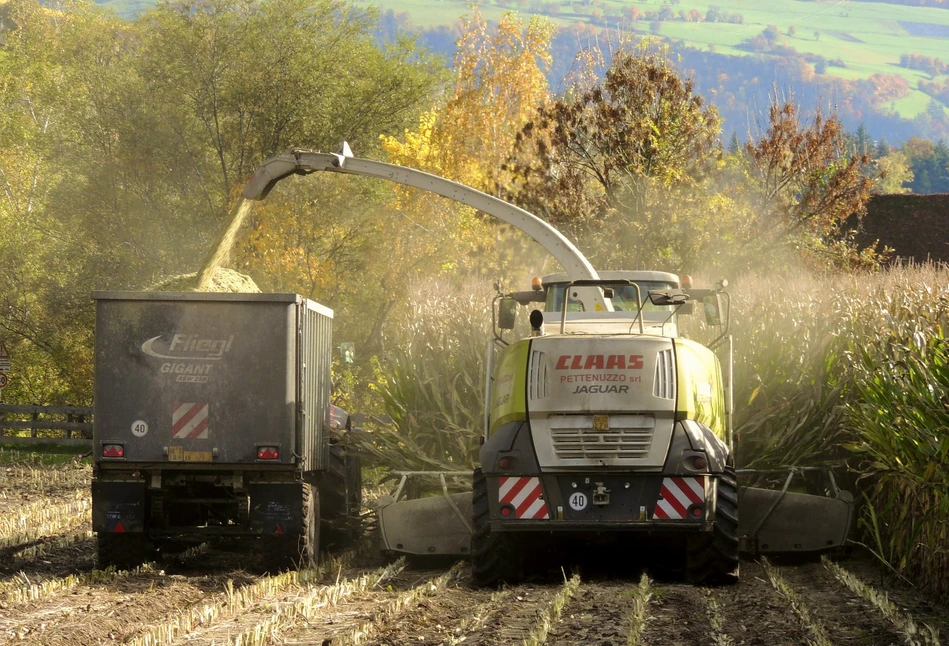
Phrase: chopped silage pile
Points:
(222, 280)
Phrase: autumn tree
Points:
(623, 161)
(805, 185)
(892, 172)
(499, 84)
(240, 80)
(43, 320)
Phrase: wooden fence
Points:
(72, 424)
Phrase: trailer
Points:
(213, 419)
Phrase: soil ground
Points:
(51, 594)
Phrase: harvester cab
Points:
(651, 299)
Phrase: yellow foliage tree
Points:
(500, 84)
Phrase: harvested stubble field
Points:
(51, 593)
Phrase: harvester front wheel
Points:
(495, 557)
(713, 558)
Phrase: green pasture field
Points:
(910, 106)
(867, 36)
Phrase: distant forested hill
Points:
(882, 63)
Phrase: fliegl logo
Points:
(190, 355)
(589, 371)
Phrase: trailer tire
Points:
(713, 558)
(123, 551)
(341, 486)
(311, 526)
(285, 551)
(495, 557)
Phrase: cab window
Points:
(624, 298)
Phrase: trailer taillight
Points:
(113, 451)
(267, 453)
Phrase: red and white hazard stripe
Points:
(190, 421)
(677, 495)
(524, 494)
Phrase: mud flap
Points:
(426, 526)
(772, 521)
(276, 508)
(118, 507)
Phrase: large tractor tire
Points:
(123, 551)
(285, 551)
(496, 557)
(341, 488)
(713, 558)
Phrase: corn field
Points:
(852, 370)
(848, 371)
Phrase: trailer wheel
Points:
(286, 551)
(341, 486)
(713, 558)
(123, 551)
(495, 557)
(311, 526)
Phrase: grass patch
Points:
(912, 105)
(51, 454)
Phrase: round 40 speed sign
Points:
(578, 501)
(4, 380)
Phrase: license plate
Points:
(176, 454)
(197, 456)
(601, 422)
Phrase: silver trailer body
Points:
(210, 377)
(212, 418)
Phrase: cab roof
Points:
(658, 276)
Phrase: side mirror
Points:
(713, 309)
(507, 313)
(348, 351)
(668, 297)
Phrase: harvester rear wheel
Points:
(713, 558)
(495, 557)
(123, 551)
